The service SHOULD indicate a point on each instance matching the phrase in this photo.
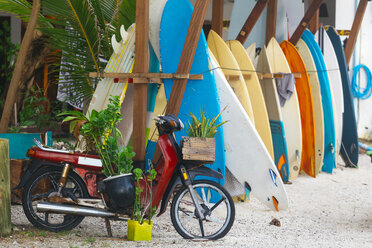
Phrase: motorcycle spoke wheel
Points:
(219, 211)
(44, 184)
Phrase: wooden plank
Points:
(251, 20)
(271, 20)
(217, 16)
(305, 21)
(140, 90)
(17, 166)
(350, 44)
(147, 75)
(314, 22)
(5, 223)
(187, 56)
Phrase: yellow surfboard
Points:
(290, 111)
(317, 102)
(230, 68)
(252, 82)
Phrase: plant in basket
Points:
(140, 225)
(200, 145)
(100, 134)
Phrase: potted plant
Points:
(140, 225)
(98, 129)
(200, 145)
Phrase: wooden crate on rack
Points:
(199, 149)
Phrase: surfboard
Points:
(230, 67)
(329, 128)
(290, 111)
(305, 101)
(349, 141)
(335, 81)
(269, 91)
(240, 13)
(317, 102)
(199, 94)
(120, 61)
(261, 119)
(246, 155)
(251, 50)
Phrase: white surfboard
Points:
(290, 111)
(335, 81)
(246, 155)
(156, 11)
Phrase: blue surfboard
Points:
(329, 124)
(199, 94)
(349, 141)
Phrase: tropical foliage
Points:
(98, 129)
(204, 127)
(80, 30)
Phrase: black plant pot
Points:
(120, 191)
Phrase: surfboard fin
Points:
(123, 33)
(247, 189)
(276, 203)
(273, 177)
(115, 44)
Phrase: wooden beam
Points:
(217, 16)
(140, 90)
(11, 96)
(148, 75)
(314, 22)
(251, 20)
(271, 20)
(315, 4)
(350, 44)
(187, 56)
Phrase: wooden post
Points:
(271, 20)
(350, 44)
(17, 73)
(251, 20)
(187, 55)
(140, 90)
(5, 224)
(314, 22)
(315, 4)
(217, 16)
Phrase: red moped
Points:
(60, 188)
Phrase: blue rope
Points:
(362, 93)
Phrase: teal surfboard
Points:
(329, 125)
(349, 141)
(199, 94)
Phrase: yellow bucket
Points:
(138, 232)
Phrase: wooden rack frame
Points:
(260, 76)
(153, 77)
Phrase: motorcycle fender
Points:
(34, 166)
(176, 180)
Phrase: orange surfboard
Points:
(305, 101)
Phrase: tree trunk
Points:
(17, 74)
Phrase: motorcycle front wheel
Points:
(44, 184)
(219, 211)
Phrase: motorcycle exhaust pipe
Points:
(77, 210)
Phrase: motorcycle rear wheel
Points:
(219, 211)
(42, 185)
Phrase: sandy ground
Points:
(329, 211)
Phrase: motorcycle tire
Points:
(42, 185)
(219, 211)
